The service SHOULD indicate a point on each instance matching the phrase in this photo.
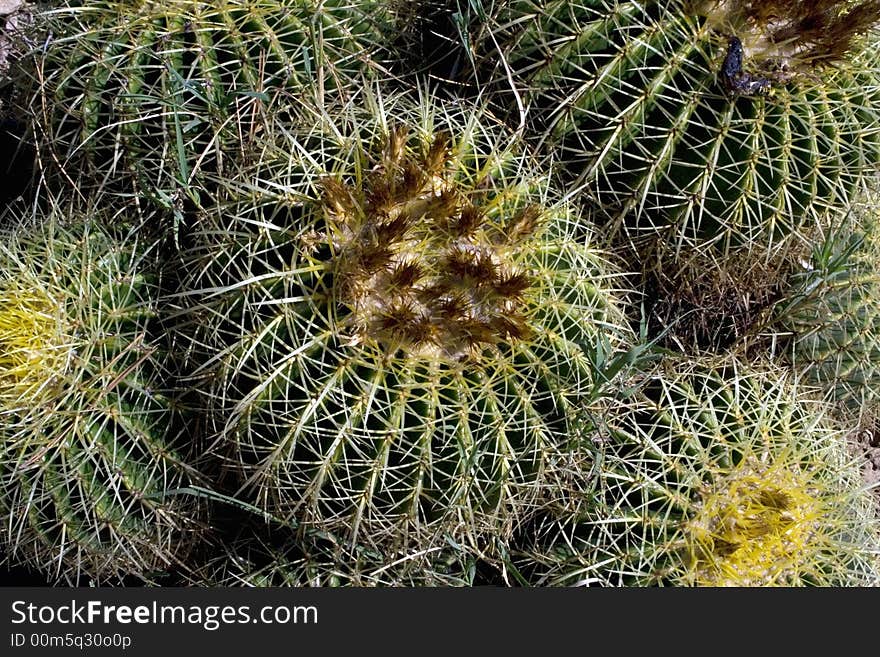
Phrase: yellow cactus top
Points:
(33, 349)
(755, 527)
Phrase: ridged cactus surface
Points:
(720, 475)
(649, 105)
(393, 346)
(831, 313)
(85, 450)
(167, 89)
(259, 561)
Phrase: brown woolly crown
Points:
(417, 260)
(795, 32)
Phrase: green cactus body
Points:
(717, 475)
(831, 313)
(84, 450)
(631, 98)
(171, 88)
(398, 350)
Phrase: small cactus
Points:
(703, 122)
(706, 304)
(393, 346)
(719, 475)
(85, 451)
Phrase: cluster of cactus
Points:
(365, 293)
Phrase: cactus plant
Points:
(703, 303)
(393, 323)
(85, 449)
(717, 122)
(830, 313)
(166, 89)
(720, 474)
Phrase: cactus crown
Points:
(420, 265)
(794, 33)
(33, 344)
(753, 526)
